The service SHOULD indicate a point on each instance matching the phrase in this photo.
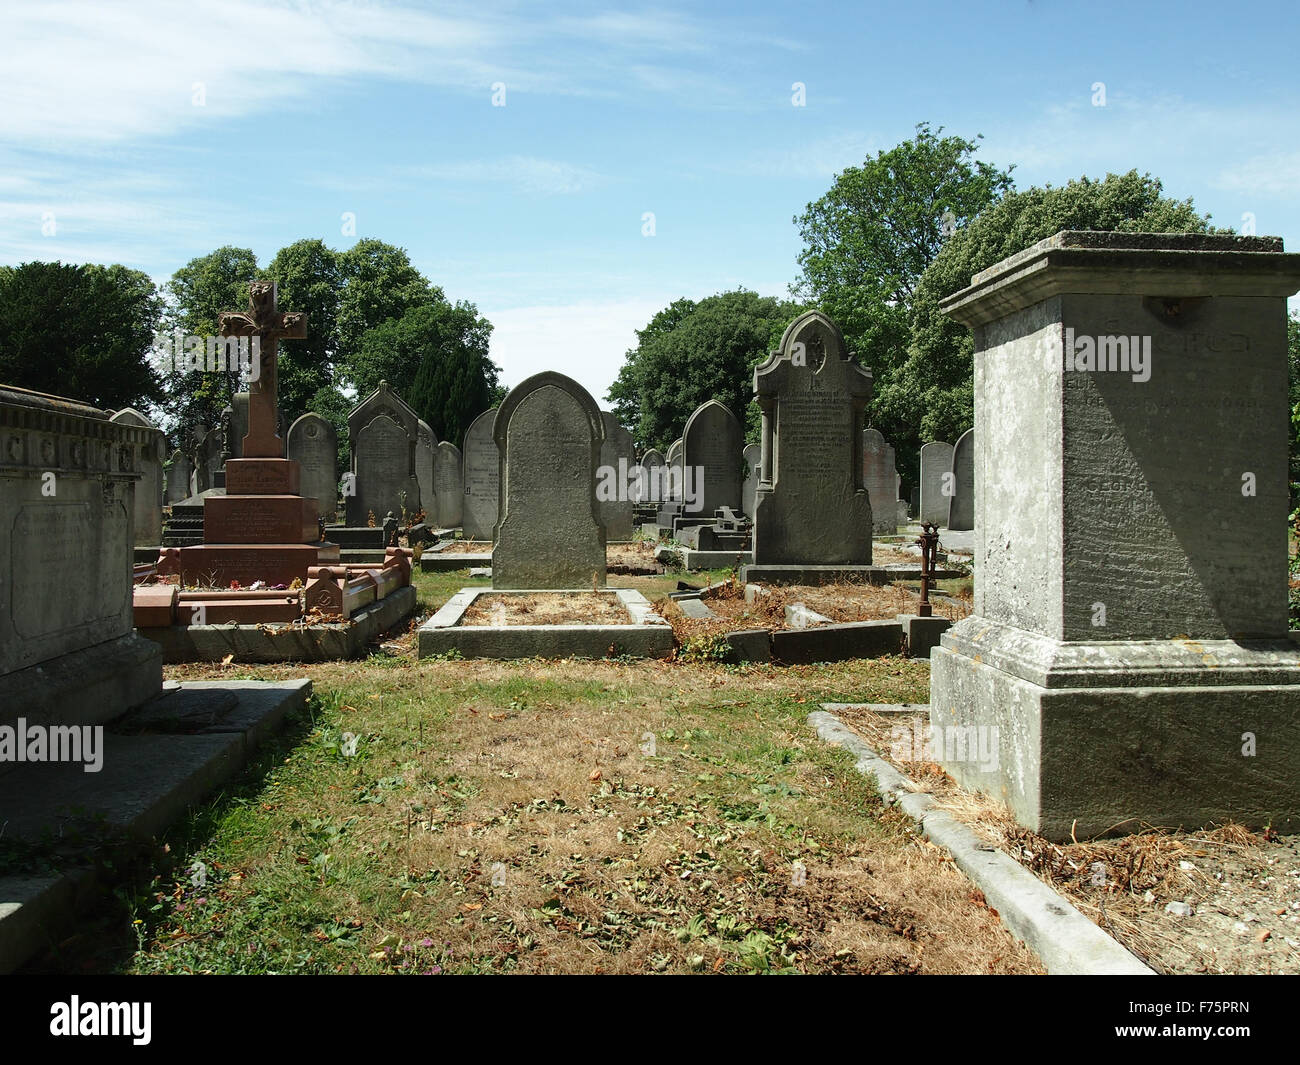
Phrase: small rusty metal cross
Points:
(929, 542)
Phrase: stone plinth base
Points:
(216, 565)
(262, 519)
(258, 477)
(88, 686)
(1110, 737)
(768, 574)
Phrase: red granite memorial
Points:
(262, 529)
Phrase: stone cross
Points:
(264, 320)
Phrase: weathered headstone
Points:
(149, 489)
(711, 458)
(382, 430)
(448, 485)
(549, 534)
(208, 461)
(482, 465)
(426, 443)
(961, 506)
(674, 460)
(69, 654)
(936, 464)
(178, 478)
(880, 480)
(617, 458)
(753, 458)
(313, 444)
(812, 515)
(1127, 662)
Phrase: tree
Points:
(436, 358)
(308, 278)
(931, 396)
(84, 332)
(199, 291)
(690, 353)
(868, 240)
(379, 284)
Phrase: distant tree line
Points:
(87, 332)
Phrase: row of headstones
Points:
(948, 483)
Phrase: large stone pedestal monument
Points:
(1128, 653)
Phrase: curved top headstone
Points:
(549, 534)
(961, 504)
(481, 462)
(711, 455)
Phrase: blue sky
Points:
(534, 210)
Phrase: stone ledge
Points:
(287, 643)
(146, 783)
(1063, 938)
(646, 636)
(834, 643)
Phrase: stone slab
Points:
(219, 564)
(695, 609)
(814, 575)
(834, 643)
(287, 643)
(647, 636)
(691, 559)
(922, 634)
(749, 645)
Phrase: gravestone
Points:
(617, 458)
(674, 460)
(936, 464)
(178, 478)
(448, 486)
(549, 535)
(313, 444)
(382, 430)
(812, 516)
(1127, 658)
(481, 462)
(653, 486)
(711, 458)
(880, 481)
(426, 443)
(149, 489)
(208, 461)
(234, 420)
(69, 654)
(961, 507)
(752, 456)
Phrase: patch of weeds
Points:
(708, 648)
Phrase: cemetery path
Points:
(573, 816)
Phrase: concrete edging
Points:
(1062, 937)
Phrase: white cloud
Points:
(527, 174)
(1276, 174)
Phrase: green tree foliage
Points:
(379, 284)
(690, 353)
(198, 292)
(84, 332)
(443, 350)
(868, 240)
(308, 278)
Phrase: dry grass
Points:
(1122, 883)
(548, 608)
(466, 547)
(840, 601)
(512, 817)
